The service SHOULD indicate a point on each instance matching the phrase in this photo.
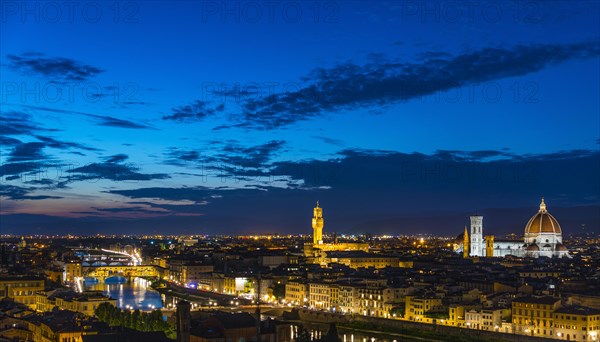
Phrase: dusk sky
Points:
(210, 117)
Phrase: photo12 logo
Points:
(68, 92)
(271, 12)
(469, 173)
(470, 12)
(71, 12)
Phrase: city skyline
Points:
(398, 118)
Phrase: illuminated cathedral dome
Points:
(543, 235)
(542, 223)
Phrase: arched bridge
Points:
(103, 272)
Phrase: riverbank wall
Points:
(406, 327)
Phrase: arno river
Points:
(136, 294)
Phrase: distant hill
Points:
(497, 221)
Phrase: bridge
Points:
(129, 272)
(107, 257)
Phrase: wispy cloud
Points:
(349, 86)
(195, 111)
(18, 193)
(112, 171)
(382, 82)
(27, 152)
(52, 67)
(117, 158)
(102, 120)
(56, 68)
(18, 123)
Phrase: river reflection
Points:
(316, 332)
(134, 295)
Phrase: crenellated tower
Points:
(317, 224)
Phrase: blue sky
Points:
(191, 117)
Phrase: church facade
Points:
(542, 238)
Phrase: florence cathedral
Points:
(542, 238)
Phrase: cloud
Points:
(16, 170)
(112, 171)
(18, 193)
(178, 157)
(195, 111)
(136, 209)
(380, 82)
(102, 120)
(29, 160)
(117, 158)
(110, 121)
(188, 155)
(6, 141)
(386, 191)
(232, 158)
(27, 152)
(330, 141)
(28, 157)
(253, 157)
(196, 194)
(18, 123)
(52, 67)
(51, 142)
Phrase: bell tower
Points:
(317, 225)
(476, 236)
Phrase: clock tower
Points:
(317, 224)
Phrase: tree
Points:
(137, 320)
(279, 290)
(136, 317)
(397, 311)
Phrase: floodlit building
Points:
(21, 289)
(370, 301)
(73, 270)
(533, 315)
(85, 302)
(577, 323)
(318, 246)
(542, 237)
(296, 293)
(486, 319)
(417, 307)
(323, 295)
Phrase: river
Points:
(317, 331)
(134, 295)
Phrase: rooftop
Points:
(578, 310)
(537, 300)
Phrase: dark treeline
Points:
(137, 320)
